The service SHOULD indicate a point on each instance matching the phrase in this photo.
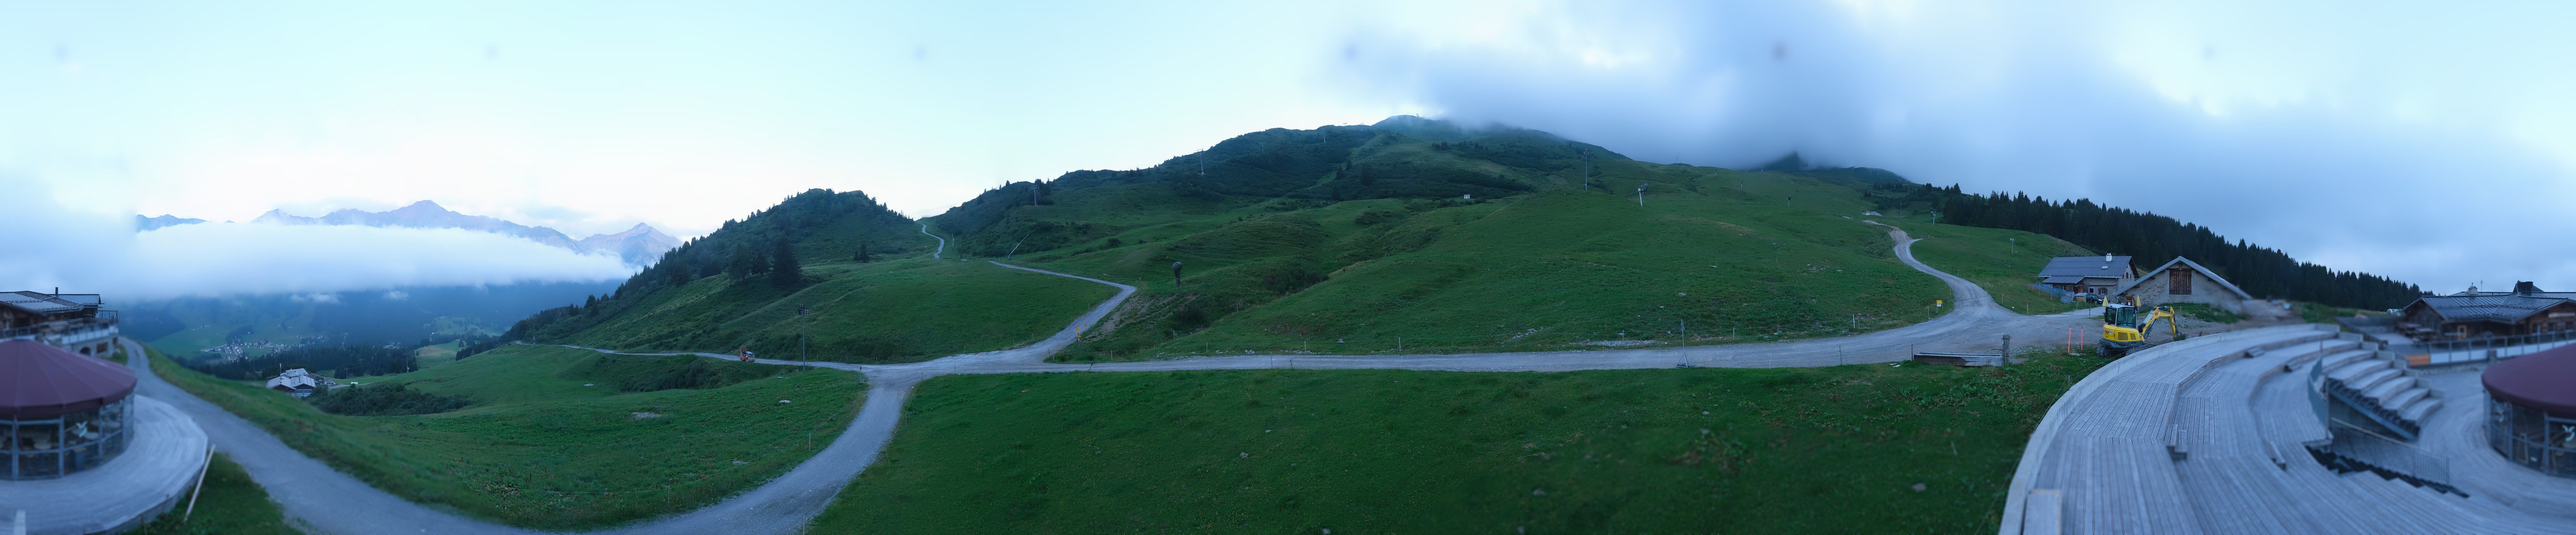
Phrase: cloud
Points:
(2392, 139)
(81, 252)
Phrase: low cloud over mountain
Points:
(53, 245)
(2333, 131)
(636, 246)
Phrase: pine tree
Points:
(784, 270)
(862, 255)
(746, 262)
(678, 273)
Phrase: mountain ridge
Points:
(636, 245)
(164, 220)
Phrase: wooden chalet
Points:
(2475, 314)
(2093, 276)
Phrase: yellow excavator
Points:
(2124, 330)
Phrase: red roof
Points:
(40, 381)
(2544, 380)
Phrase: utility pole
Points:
(800, 335)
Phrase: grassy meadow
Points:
(1734, 256)
(437, 354)
(229, 503)
(892, 311)
(551, 442)
(2004, 262)
(1702, 450)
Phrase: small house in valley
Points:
(2091, 276)
(2183, 281)
(300, 383)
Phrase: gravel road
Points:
(329, 502)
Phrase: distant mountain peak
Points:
(164, 220)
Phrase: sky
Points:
(2410, 140)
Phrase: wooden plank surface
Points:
(2102, 453)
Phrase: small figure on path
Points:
(1176, 273)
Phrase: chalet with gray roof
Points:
(2183, 281)
(2093, 276)
(2475, 314)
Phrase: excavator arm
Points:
(2148, 327)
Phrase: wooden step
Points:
(2389, 388)
(2350, 372)
(2406, 396)
(2415, 412)
(2372, 380)
(2337, 360)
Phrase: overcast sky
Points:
(2430, 143)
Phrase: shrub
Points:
(1373, 217)
(395, 400)
(654, 373)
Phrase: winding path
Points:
(328, 501)
(943, 242)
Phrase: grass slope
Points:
(1729, 253)
(1703, 450)
(432, 356)
(229, 503)
(893, 311)
(2004, 262)
(537, 445)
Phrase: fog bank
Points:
(53, 246)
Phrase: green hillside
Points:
(1344, 239)
(1409, 235)
(863, 271)
(561, 438)
(2004, 262)
(891, 311)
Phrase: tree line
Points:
(2154, 239)
(332, 361)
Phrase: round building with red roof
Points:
(2531, 410)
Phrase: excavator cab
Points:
(2125, 326)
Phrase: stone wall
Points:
(2157, 289)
